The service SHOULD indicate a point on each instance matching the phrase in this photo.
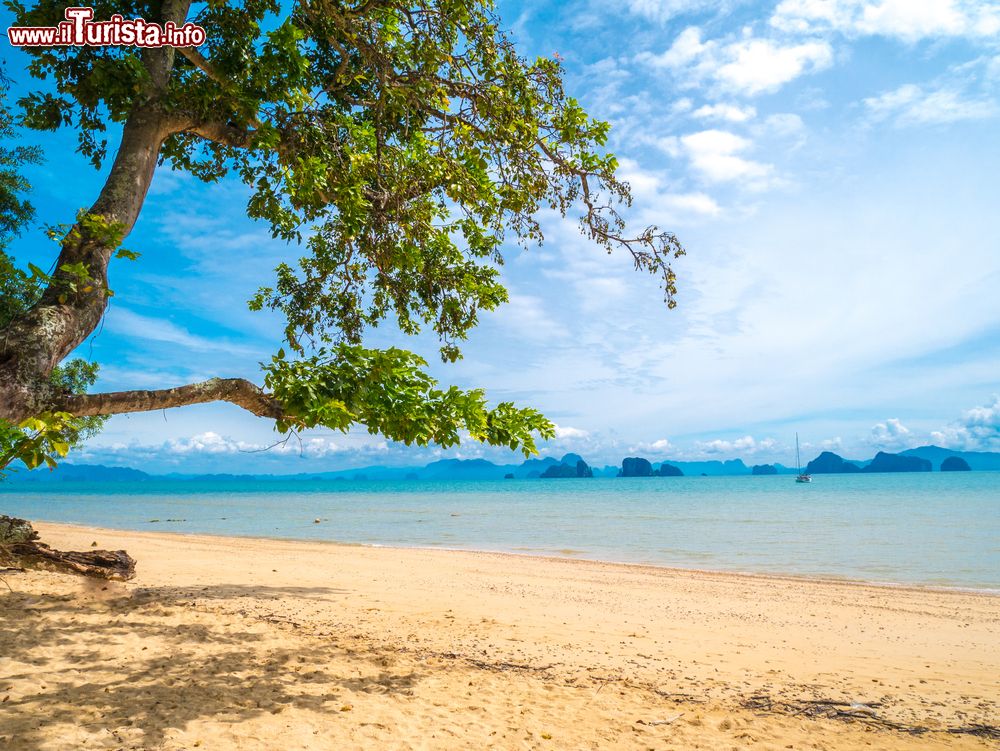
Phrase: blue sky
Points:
(829, 164)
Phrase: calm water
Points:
(939, 529)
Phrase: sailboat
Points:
(802, 477)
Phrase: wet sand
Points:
(230, 643)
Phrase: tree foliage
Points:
(401, 144)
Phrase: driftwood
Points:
(20, 549)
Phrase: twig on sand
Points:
(501, 666)
(680, 697)
(10, 570)
(496, 666)
(668, 721)
(604, 682)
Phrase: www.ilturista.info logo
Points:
(80, 30)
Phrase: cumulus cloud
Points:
(690, 203)
(563, 432)
(715, 155)
(756, 66)
(661, 446)
(913, 105)
(747, 445)
(214, 451)
(978, 430)
(907, 20)
(654, 200)
(891, 434)
(210, 443)
(731, 112)
(747, 66)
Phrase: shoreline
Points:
(779, 576)
(253, 643)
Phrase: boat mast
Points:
(798, 461)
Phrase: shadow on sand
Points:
(127, 669)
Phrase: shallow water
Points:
(920, 528)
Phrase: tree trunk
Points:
(20, 548)
(32, 345)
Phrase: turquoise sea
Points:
(927, 528)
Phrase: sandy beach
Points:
(228, 643)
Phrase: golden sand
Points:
(229, 643)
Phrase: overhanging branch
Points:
(236, 391)
(203, 64)
(207, 67)
(222, 134)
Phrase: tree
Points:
(399, 143)
(38, 439)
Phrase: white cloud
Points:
(730, 112)
(258, 450)
(784, 124)
(681, 106)
(907, 20)
(891, 434)
(714, 154)
(136, 326)
(747, 66)
(568, 432)
(993, 68)
(687, 49)
(691, 203)
(527, 317)
(912, 105)
(661, 446)
(654, 200)
(760, 65)
(664, 10)
(211, 442)
(168, 181)
(746, 445)
(978, 430)
(208, 443)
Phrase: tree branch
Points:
(203, 64)
(236, 391)
(222, 134)
(207, 67)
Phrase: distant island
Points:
(912, 460)
(570, 466)
(955, 464)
